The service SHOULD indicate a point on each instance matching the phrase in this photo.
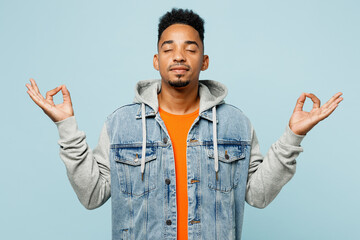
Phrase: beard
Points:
(178, 83)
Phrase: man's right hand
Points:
(55, 112)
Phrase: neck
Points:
(179, 101)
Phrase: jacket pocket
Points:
(128, 164)
(125, 234)
(231, 161)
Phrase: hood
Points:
(211, 93)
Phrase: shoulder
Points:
(127, 109)
(122, 119)
(233, 121)
(228, 110)
(122, 114)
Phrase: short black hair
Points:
(187, 17)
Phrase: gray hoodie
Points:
(89, 170)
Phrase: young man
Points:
(180, 161)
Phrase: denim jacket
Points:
(135, 154)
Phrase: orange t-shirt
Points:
(178, 127)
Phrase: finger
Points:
(36, 97)
(34, 88)
(329, 110)
(51, 93)
(300, 103)
(66, 94)
(34, 85)
(332, 99)
(338, 100)
(314, 99)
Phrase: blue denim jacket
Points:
(135, 160)
(146, 208)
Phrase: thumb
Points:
(66, 94)
(300, 103)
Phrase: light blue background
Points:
(266, 52)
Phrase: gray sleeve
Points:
(88, 170)
(267, 175)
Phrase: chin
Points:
(178, 83)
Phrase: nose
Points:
(179, 56)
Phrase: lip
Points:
(179, 69)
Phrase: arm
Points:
(88, 171)
(267, 175)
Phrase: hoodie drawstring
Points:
(215, 143)
(143, 153)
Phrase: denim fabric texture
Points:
(145, 208)
(134, 164)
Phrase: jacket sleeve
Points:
(267, 175)
(88, 170)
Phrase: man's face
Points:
(181, 56)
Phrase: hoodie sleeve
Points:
(88, 170)
(267, 175)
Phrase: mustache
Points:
(178, 65)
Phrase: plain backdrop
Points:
(266, 52)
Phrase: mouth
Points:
(179, 69)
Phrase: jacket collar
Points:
(211, 93)
(149, 112)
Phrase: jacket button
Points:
(168, 222)
(165, 140)
(167, 181)
(227, 156)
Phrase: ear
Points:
(205, 63)
(156, 62)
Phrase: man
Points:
(180, 161)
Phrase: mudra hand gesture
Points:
(55, 112)
(302, 122)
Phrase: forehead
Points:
(180, 32)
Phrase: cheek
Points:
(162, 62)
(198, 64)
(162, 66)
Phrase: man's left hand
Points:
(302, 122)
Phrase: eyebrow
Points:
(192, 42)
(186, 42)
(166, 42)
